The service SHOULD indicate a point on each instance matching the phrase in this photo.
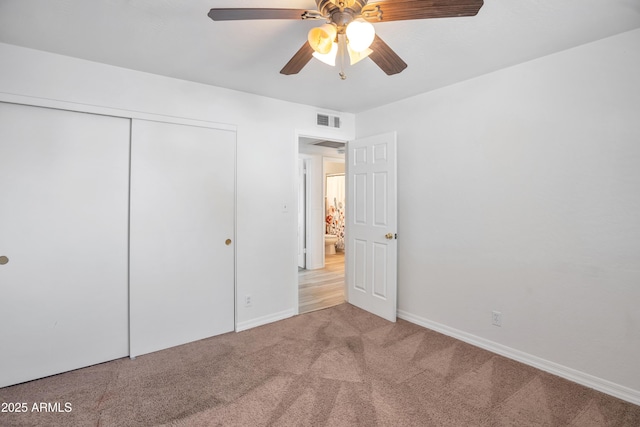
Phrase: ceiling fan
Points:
(348, 30)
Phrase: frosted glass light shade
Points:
(321, 38)
(356, 57)
(360, 34)
(328, 58)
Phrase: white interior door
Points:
(63, 231)
(371, 253)
(182, 234)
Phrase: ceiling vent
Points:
(327, 120)
(330, 144)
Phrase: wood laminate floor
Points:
(322, 288)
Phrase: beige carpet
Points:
(335, 367)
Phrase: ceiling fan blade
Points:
(236, 14)
(386, 58)
(299, 60)
(398, 10)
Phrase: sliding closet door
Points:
(63, 241)
(182, 234)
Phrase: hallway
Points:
(322, 288)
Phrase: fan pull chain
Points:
(342, 50)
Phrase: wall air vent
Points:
(327, 120)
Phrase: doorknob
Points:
(3, 260)
(227, 242)
(389, 236)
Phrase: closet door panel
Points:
(63, 229)
(182, 214)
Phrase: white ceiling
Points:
(176, 38)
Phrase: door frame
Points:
(302, 212)
(326, 160)
(314, 135)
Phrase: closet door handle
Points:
(3, 260)
(227, 242)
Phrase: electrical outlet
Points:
(496, 318)
(247, 300)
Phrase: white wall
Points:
(333, 168)
(267, 132)
(519, 191)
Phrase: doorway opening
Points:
(321, 218)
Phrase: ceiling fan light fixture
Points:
(321, 38)
(360, 34)
(330, 57)
(350, 19)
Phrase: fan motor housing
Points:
(341, 19)
(341, 10)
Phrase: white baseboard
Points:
(587, 380)
(253, 323)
